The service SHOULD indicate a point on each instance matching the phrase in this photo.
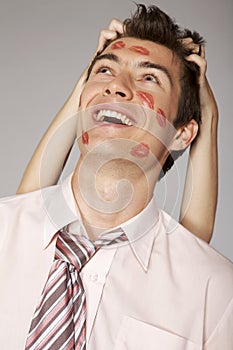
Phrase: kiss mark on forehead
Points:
(140, 49)
(161, 118)
(146, 98)
(118, 45)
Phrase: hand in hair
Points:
(115, 28)
(207, 100)
(190, 45)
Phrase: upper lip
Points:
(114, 108)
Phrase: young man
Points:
(154, 284)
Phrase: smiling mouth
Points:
(113, 117)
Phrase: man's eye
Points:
(152, 78)
(104, 70)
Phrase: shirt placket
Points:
(93, 277)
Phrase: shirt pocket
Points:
(137, 335)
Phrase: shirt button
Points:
(94, 277)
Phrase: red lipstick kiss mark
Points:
(146, 98)
(140, 151)
(85, 138)
(161, 118)
(118, 45)
(140, 49)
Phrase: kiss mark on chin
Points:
(146, 98)
(118, 45)
(140, 151)
(140, 49)
(85, 138)
(161, 118)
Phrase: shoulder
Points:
(17, 198)
(196, 253)
(14, 205)
(45, 210)
(25, 201)
(207, 273)
(19, 212)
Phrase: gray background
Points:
(45, 46)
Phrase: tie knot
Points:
(74, 249)
(77, 249)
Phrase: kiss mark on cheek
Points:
(146, 98)
(118, 45)
(140, 49)
(85, 138)
(140, 151)
(161, 118)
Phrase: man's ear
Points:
(184, 136)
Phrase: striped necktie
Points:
(59, 322)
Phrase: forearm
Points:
(49, 157)
(201, 184)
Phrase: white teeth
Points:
(113, 114)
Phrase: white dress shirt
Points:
(164, 289)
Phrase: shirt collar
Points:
(141, 231)
(61, 210)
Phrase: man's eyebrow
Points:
(148, 64)
(105, 56)
(108, 56)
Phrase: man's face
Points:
(131, 72)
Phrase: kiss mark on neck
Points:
(85, 138)
(140, 151)
(118, 45)
(161, 118)
(140, 49)
(146, 98)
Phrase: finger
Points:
(186, 41)
(189, 44)
(194, 48)
(116, 25)
(202, 51)
(105, 35)
(201, 63)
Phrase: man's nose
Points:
(120, 87)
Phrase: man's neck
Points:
(107, 198)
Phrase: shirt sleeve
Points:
(222, 335)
